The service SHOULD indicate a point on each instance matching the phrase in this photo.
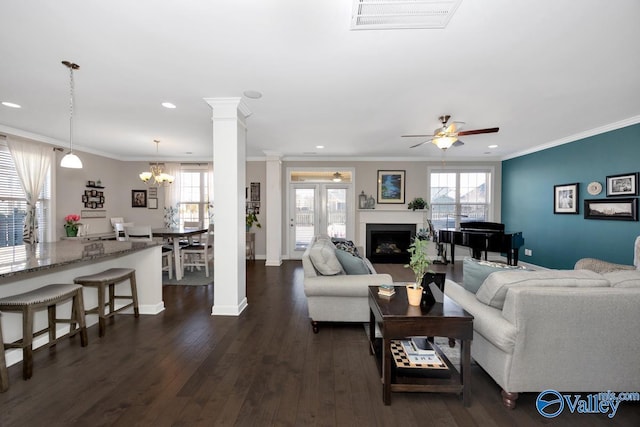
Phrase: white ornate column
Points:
(274, 209)
(229, 166)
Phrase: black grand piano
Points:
(483, 237)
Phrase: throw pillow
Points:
(494, 289)
(345, 245)
(475, 271)
(351, 264)
(323, 257)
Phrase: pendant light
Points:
(70, 160)
(156, 175)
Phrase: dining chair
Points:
(199, 254)
(192, 239)
(119, 230)
(143, 233)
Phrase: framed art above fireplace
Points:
(391, 186)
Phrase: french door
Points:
(321, 208)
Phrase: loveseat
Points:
(566, 330)
(333, 295)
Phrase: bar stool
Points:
(48, 296)
(110, 278)
(4, 375)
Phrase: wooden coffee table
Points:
(397, 320)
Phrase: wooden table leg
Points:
(465, 371)
(386, 371)
(176, 255)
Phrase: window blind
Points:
(13, 205)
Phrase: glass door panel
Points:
(336, 212)
(302, 219)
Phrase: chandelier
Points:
(156, 174)
(70, 160)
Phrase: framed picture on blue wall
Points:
(618, 209)
(565, 198)
(622, 185)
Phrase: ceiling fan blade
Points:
(478, 131)
(458, 143)
(416, 136)
(423, 142)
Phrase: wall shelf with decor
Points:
(93, 199)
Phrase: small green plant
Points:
(419, 261)
(252, 219)
(418, 203)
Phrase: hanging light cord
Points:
(72, 66)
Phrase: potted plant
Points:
(252, 219)
(418, 203)
(419, 263)
(71, 224)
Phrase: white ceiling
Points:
(545, 72)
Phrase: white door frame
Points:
(320, 203)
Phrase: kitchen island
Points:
(27, 267)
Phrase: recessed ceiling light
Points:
(168, 105)
(253, 94)
(320, 146)
(11, 104)
(493, 146)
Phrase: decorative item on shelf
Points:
(156, 175)
(99, 183)
(419, 264)
(251, 220)
(70, 160)
(362, 200)
(72, 221)
(371, 203)
(418, 203)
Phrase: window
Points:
(194, 195)
(459, 195)
(13, 204)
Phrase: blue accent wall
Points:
(558, 241)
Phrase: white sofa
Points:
(336, 297)
(566, 330)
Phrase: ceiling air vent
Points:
(397, 14)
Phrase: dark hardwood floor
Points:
(184, 367)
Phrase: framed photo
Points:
(565, 198)
(85, 198)
(138, 198)
(153, 192)
(153, 203)
(618, 209)
(255, 191)
(91, 183)
(622, 185)
(391, 186)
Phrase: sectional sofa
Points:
(566, 330)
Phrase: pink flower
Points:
(72, 219)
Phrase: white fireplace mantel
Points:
(388, 216)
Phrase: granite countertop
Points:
(18, 260)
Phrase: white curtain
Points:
(172, 196)
(32, 162)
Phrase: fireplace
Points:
(388, 243)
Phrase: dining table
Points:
(175, 235)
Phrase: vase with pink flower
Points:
(72, 222)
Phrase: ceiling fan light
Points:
(71, 161)
(444, 142)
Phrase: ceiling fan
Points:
(447, 135)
